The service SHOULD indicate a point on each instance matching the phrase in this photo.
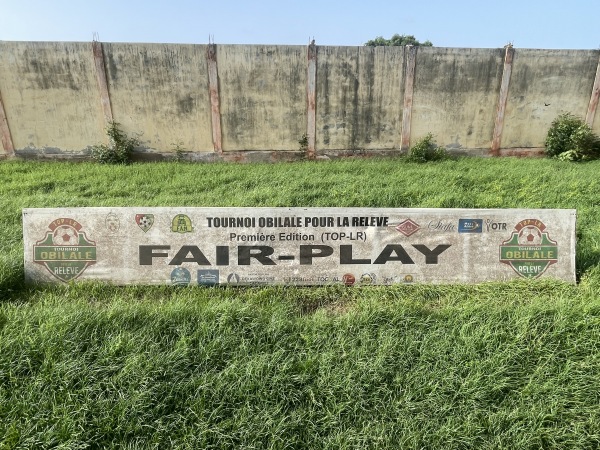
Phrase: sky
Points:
(547, 24)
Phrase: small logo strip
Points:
(65, 250)
(470, 225)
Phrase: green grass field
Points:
(499, 365)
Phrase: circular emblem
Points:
(348, 279)
(367, 278)
(180, 276)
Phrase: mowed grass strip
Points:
(498, 365)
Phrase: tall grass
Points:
(496, 365)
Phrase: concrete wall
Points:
(545, 83)
(50, 96)
(359, 97)
(260, 103)
(160, 93)
(456, 95)
(263, 96)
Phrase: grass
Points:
(498, 365)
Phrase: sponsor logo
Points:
(438, 225)
(208, 277)
(470, 225)
(233, 278)
(529, 250)
(112, 222)
(348, 279)
(65, 250)
(368, 278)
(144, 221)
(181, 224)
(408, 227)
(490, 225)
(180, 276)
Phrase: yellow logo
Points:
(181, 224)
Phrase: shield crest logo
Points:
(144, 221)
(66, 250)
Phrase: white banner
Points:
(297, 246)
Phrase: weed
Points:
(179, 151)
(303, 141)
(426, 150)
(119, 148)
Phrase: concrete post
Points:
(502, 100)
(593, 106)
(102, 83)
(311, 100)
(7, 142)
(409, 85)
(213, 88)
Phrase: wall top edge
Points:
(421, 48)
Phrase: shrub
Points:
(303, 141)
(179, 151)
(427, 150)
(571, 139)
(119, 149)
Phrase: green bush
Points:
(119, 149)
(427, 150)
(571, 139)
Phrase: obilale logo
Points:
(529, 250)
(65, 250)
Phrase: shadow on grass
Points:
(585, 261)
(12, 284)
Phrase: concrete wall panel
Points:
(262, 95)
(545, 83)
(359, 97)
(455, 96)
(50, 96)
(159, 92)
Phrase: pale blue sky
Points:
(548, 24)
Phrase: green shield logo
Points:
(529, 250)
(65, 250)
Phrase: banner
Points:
(297, 246)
